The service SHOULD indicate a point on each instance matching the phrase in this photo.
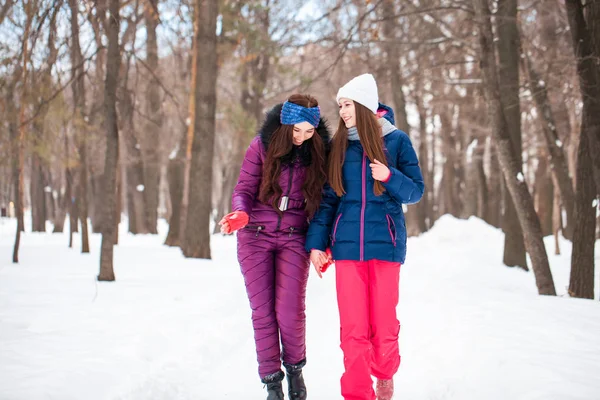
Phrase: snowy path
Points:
(178, 329)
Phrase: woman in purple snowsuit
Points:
(278, 191)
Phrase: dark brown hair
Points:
(369, 133)
(280, 146)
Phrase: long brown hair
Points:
(280, 147)
(369, 133)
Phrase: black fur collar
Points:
(272, 122)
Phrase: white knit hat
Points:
(363, 90)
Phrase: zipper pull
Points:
(258, 231)
(291, 231)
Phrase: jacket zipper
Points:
(337, 221)
(364, 205)
(289, 189)
(391, 224)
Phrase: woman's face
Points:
(347, 112)
(303, 131)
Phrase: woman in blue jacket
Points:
(373, 170)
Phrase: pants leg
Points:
(385, 327)
(352, 283)
(256, 258)
(292, 265)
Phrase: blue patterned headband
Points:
(292, 114)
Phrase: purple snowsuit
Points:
(271, 251)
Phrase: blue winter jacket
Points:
(359, 225)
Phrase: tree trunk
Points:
(426, 210)
(154, 121)
(482, 193)
(581, 282)
(177, 166)
(72, 209)
(433, 172)
(510, 163)
(15, 160)
(544, 194)
(19, 143)
(471, 191)
(135, 195)
(508, 75)
(61, 215)
(588, 74)
(134, 167)
(63, 199)
(113, 61)
(78, 87)
(197, 231)
(191, 121)
(38, 164)
(50, 204)
(176, 170)
(475, 202)
(96, 214)
(449, 201)
(36, 187)
(494, 206)
(557, 225)
(118, 198)
(426, 214)
(558, 161)
(82, 194)
(60, 208)
(96, 117)
(588, 163)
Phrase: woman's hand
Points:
(379, 171)
(318, 259)
(233, 221)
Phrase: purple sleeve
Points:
(246, 190)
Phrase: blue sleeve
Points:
(320, 226)
(406, 182)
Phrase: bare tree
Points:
(581, 283)
(425, 209)
(178, 167)
(154, 120)
(196, 242)
(175, 171)
(19, 142)
(509, 162)
(544, 192)
(113, 62)
(582, 258)
(78, 87)
(587, 71)
(508, 76)
(42, 81)
(558, 162)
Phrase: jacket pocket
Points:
(335, 226)
(391, 228)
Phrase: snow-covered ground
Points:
(172, 328)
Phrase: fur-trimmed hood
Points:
(272, 122)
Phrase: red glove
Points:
(328, 263)
(234, 221)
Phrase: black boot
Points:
(273, 382)
(297, 388)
